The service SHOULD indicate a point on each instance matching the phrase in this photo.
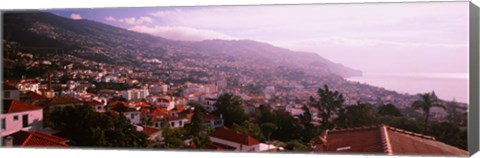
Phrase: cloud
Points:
(164, 13)
(75, 16)
(181, 33)
(110, 18)
(131, 21)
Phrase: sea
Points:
(447, 86)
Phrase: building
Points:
(135, 94)
(10, 92)
(33, 139)
(212, 121)
(208, 104)
(17, 115)
(132, 114)
(382, 139)
(228, 138)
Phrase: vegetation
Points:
(425, 104)
(85, 127)
(329, 104)
(230, 107)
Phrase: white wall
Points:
(136, 117)
(14, 95)
(237, 146)
(35, 120)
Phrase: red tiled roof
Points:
(35, 96)
(218, 147)
(149, 130)
(142, 104)
(208, 117)
(7, 87)
(64, 100)
(12, 106)
(36, 139)
(388, 140)
(180, 108)
(94, 103)
(234, 136)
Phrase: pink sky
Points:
(375, 38)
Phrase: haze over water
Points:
(447, 86)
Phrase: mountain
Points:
(87, 49)
(41, 29)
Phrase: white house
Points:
(239, 141)
(208, 104)
(135, 94)
(132, 116)
(10, 92)
(17, 115)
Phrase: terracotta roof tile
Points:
(149, 130)
(12, 106)
(234, 136)
(64, 100)
(35, 96)
(9, 87)
(36, 139)
(388, 140)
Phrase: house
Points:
(17, 115)
(132, 114)
(10, 92)
(382, 139)
(97, 106)
(164, 103)
(154, 135)
(208, 104)
(212, 121)
(62, 102)
(33, 139)
(25, 85)
(224, 136)
(34, 98)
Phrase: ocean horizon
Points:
(447, 86)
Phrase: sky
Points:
(393, 38)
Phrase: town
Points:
(113, 88)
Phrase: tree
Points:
(265, 114)
(428, 100)
(329, 104)
(85, 127)
(358, 115)
(230, 107)
(306, 117)
(251, 129)
(196, 125)
(296, 146)
(389, 110)
(268, 128)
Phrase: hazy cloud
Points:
(75, 16)
(131, 21)
(181, 33)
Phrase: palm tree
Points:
(428, 101)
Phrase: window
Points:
(25, 121)
(4, 124)
(132, 115)
(15, 118)
(6, 94)
(156, 125)
(180, 123)
(172, 124)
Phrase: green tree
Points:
(450, 133)
(230, 107)
(428, 100)
(196, 125)
(296, 146)
(358, 115)
(173, 137)
(251, 129)
(85, 127)
(389, 110)
(329, 104)
(268, 128)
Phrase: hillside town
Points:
(113, 88)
